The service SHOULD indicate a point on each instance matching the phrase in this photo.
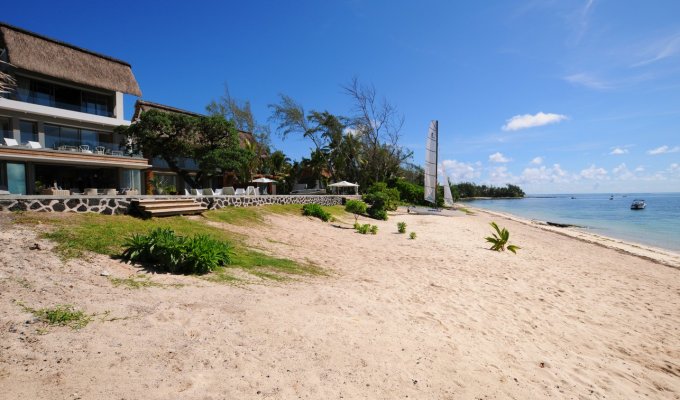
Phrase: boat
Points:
(638, 205)
(431, 181)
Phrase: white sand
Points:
(439, 317)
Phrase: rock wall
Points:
(110, 205)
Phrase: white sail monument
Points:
(431, 167)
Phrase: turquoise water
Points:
(657, 225)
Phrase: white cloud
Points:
(622, 172)
(674, 169)
(529, 121)
(661, 49)
(663, 150)
(594, 173)
(537, 161)
(497, 157)
(589, 81)
(618, 151)
(639, 169)
(459, 171)
(351, 131)
(544, 174)
(501, 176)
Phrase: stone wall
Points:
(110, 205)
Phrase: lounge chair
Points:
(85, 149)
(208, 192)
(240, 192)
(228, 191)
(11, 142)
(218, 192)
(34, 145)
(251, 191)
(195, 192)
(100, 150)
(186, 192)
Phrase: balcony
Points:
(72, 155)
(53, 112)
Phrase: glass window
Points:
(3, 175)
(66, 97)
(51, 136)
(97, 104)
(6, 127)
(41, 93)
(16, 178)
(69, 136)
(132, 179)
(89, 138)
(106, 140)
(29, 131)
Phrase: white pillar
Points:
(119, 111)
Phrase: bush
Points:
(377, 214)
(356, 207)
(401, 227)
(164, 250)
(374, 230)
(316, 210)
(363, 229)
(412, 235)
(391, 197)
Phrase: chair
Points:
(195, 192)
(90, 192)
(218, 192)
(240, 192)
(208, 192)
(85, 149)
(186, 192)
(34, 145)
(228, 191)
(100, 150)
(250, 191)
(11, 142)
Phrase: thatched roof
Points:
(36, 53)
(143, 105)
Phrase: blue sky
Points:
(556, 96)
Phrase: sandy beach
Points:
(570, 316)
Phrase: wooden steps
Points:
(167, 207)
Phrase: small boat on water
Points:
(638, 205)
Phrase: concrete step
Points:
(148, 206)
(166, 212)
(161, 201)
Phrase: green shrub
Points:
(401, 227)
(374, 229)
(377, 214)
(164, 250)
(356, 207)
(412, 235)
(315, 210)
(366, 228)
(392, 195)
(500, 239)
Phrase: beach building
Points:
(57, 126)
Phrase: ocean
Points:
(657, 225)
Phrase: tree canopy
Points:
(211, 142)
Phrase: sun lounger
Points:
(240, 192)
(11, 142)
(228, 191)
(208, 192)
(251, 191)
(34, 145)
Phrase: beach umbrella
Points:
(263, 180)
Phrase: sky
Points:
(565, 96)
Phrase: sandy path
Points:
(433, 318)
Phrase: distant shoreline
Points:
(658, 255)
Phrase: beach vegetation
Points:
(366, 229)
(499, 239)
(162, 249)
(356, 207)
(315, 210)
(79, 235)
(401, 227)
(61, 315)
(136, 282)
(412, 235)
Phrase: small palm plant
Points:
(499, 240)
(401, 227)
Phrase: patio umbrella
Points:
(345, 184)
(263, 180)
